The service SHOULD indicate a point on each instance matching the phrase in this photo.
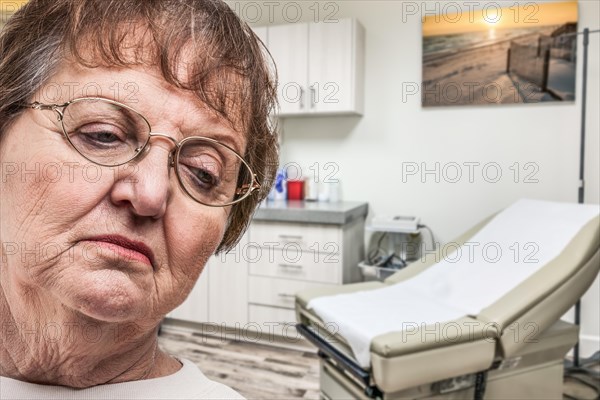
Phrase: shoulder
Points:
(207, 388)
(187, 383)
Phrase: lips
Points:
(125, 247)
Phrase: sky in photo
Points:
(529, 15)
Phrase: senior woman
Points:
(135, 143)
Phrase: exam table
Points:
(510, 347)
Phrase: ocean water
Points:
(452, 43)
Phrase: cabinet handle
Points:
(286, 296)
(290, 237)
(301, 98)
(292, 266)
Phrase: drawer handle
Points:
(286, 296)
(291, 237)
(291, 266)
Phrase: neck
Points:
(53, 345)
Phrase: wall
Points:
(370, 150)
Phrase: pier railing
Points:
(526, 62)
(532, 61)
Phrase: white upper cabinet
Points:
(320, 67)
(336, 66)
(288, 45)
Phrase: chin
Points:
(114, 299)
(111, 311)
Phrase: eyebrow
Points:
(211, 128)
(220, 130)
(228, 139)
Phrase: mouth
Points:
(124, 247)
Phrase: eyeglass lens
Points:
(111, 134)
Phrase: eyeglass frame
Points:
(245, 190)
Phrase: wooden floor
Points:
(270, 371)
(255, 370)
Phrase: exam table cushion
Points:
(559, 264)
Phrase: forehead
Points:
(170, 110)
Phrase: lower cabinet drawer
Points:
(278, 292)
(312, 237)
(301, 265)
(267, 321)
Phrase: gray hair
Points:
(230, 71)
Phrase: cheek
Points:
(43, 198)
(47, 197)
(191, 242)
(197, 240)
(44, 182)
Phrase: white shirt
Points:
(187, 383)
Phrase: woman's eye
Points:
(204, 178)
(102, 134)
(203, 174)
(202, 171)
(103, 137)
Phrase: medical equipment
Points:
(448, 328)
(394, 242)
(396, 223)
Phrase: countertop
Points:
(339, 213)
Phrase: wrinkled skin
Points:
(76, 312)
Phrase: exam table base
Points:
(534, 373)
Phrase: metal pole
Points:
(586, 41)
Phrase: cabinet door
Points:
(228, 287)
(288, 45)
(273, 321)
(195, 307)
(333, 66)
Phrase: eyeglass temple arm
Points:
(40, 106)
(248, 188)
(36, 105)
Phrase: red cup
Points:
(295, 189)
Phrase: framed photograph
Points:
(8, 8)
(522, 53)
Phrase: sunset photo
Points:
(517, 54)
(8, 8)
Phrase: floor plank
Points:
(273, 371)
(256, 370)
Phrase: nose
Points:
(145, 185)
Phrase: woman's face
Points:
(112, 243)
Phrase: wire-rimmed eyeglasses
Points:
(108, 133)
